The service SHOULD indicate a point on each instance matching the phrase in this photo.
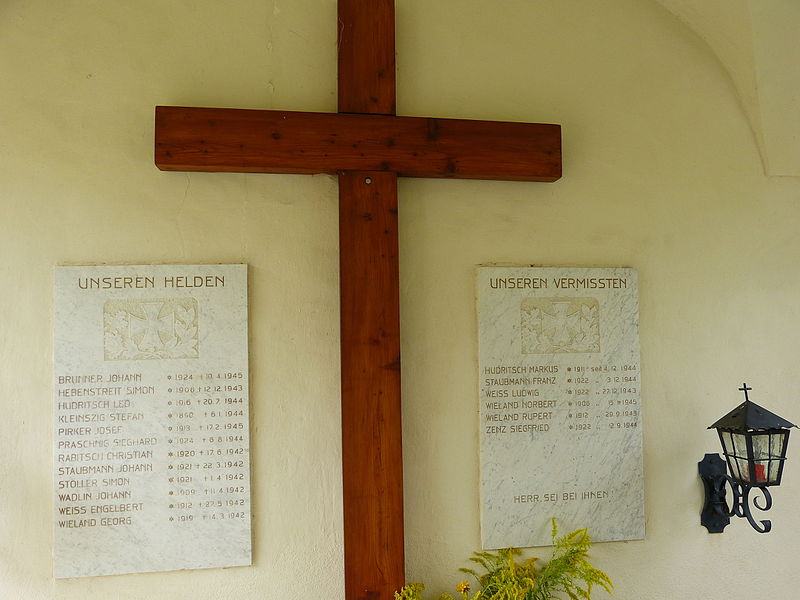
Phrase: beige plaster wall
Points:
(757, 43)
(661, 173)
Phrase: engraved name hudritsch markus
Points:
(559, 389)
(152, 469)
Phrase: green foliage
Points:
(505, 578)
(568, 568)
(411, 591)
(502, 577)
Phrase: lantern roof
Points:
(749, 416)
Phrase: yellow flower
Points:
(463, 587)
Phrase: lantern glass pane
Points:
(727, 442)
(739, 443)
(777, 441)
(742, 469)
(739, 458)
(773, 470)
(761, 446)
(762, 452)
(761, 467)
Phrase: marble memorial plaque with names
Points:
(151, 442)
(560, 406)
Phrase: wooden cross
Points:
(368, 147)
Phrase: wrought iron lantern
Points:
(754, 442)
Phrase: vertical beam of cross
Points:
(372, 462)
(366, 80)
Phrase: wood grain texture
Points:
(372, 457)
(261, 141)
(367, 81)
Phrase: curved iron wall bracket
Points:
(716, 514)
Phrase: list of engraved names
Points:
(559, 383)
(151, 419)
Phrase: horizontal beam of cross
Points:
(267, 141)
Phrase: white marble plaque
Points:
(151, 442)
(560, 409)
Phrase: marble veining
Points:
(560, 403)
(150, 439)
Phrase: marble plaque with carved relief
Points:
(560, 404)
(151, 442)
